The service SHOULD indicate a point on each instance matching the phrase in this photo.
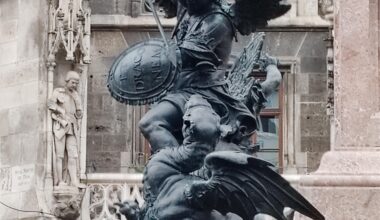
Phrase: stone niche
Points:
(68, 55)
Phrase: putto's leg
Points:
(159, 124)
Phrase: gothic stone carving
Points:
(69, 26)
(67, 206)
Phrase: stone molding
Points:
(120, 21)
(350, 163)
(135, 178)
(147, 21)
(304, 13)
(340, 181)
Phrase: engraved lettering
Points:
(139, 82)
(156, 66)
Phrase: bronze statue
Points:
(197, 113)
(239, 187)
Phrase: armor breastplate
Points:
(188, 35)
(189, 30)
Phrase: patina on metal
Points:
(200, 130)
(239, 186)
(239, 80)
(143, 73)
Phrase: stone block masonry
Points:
(22, 83)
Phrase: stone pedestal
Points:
(347, 183)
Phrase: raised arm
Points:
(273, 79)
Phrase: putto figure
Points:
(66, 111)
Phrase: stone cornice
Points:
(148, 22)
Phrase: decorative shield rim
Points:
(120, 94)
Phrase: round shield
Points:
(143, 73)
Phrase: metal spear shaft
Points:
(155, 15)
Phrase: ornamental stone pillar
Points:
(347, 183)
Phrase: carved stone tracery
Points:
(102, 199)
(70, 29)
(326, 11)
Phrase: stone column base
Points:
(346, 186)
(344, 203)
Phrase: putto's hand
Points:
(266, 60)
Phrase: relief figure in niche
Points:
(66, 111)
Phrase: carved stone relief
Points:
(69, 28)
(102, 199)
(326, 9)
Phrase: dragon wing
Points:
(246, 186)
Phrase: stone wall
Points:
(114, 142)
(22, 106)
(310, 127)
(303, 12)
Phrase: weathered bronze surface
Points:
(200, 130)
(142, 73)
